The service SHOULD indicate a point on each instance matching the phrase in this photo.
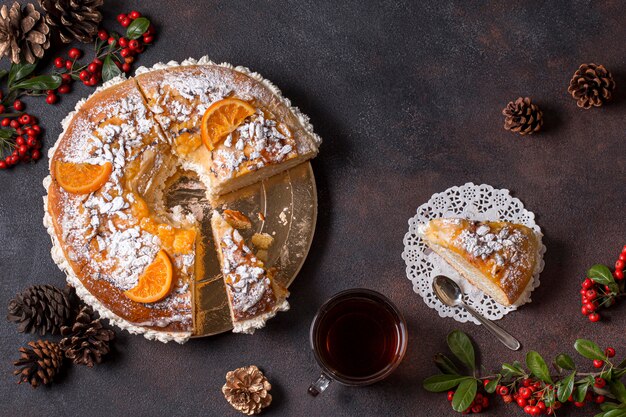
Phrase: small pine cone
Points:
(246, 389)
(522, 116)
(42, 308)
(591, 85)
(86, 341)
(24, 34)
(40, 363)
(74, 19)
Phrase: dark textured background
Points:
(407, 96)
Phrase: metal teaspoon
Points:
(449, 293)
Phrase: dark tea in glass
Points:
(358, 338)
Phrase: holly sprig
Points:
(532, 385)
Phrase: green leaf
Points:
(580, 392)
(602, 275)
(608, 406)
(618, 389)
(462, 347)
(618, 412)
(491, 386)
(445, 364)
(511, 370)
(440, 383)
(538, 366)
(3, 73)
(19, 71)
(7, 133)
(589, 349)
(566, 387)
(464, 395)
(109, 69)
(41, 82)
(564, 361)
(137, 28)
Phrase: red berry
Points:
(19, 141)
(35, 154)
(125, 52)
(31, 142)
(609, 352)
(450, 395)
(74, 53)
(67, 78)
(18, 105)
(14, 124)
(140, 49)
(528, 409)
(93, 68)
(52, 98)
(151, 31)
(84, 75)
(597, 363)
(64, 89)
(477, 409)
(97, 61)
(148, 39)
(133, 44)
(503, 391)
(591, 294)
(6, 122)
(3, 165)
(622, 256)
(522, 402)
(22, 149)
(93, 80)
(59, 62)
(123, 42)
(134, 15)
(624, 249)
(103, 35)
(2, 108)
(591, 307)
(111, 40)
(579, 404)
(600, 382)
(125, 22)
(600, 399)
(126, 67)
(618, 274)
(524, 392)
(619, 264)
(587, 283)
(507, 398)
(120, 17)
(485, 402)
(14, 159)
(31, 132)
(36, 127)
(594, 317)
(68, 65)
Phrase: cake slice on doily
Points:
(253, 295)
(498, 257)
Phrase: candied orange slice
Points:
(81, 178)
(222, 118)
(156, 281)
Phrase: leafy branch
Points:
(532, 385)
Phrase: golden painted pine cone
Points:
(24, 34)
(39, 363)
(247, 390)
(522, 116)
(591, 85)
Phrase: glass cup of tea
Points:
(358, 337)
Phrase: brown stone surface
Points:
(407, 96)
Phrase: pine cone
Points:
(74, 19)
(40, 364)
(23, 33)
(43, 308)
(246, 389)
(522, 116)
(591, 85)
(86, 341)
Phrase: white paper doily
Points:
(474, 202)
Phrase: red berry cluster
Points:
(595, 296)
(480, 403)
(25, 144)
(91, 74)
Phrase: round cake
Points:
(131, 256)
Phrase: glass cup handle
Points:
(320, 385)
